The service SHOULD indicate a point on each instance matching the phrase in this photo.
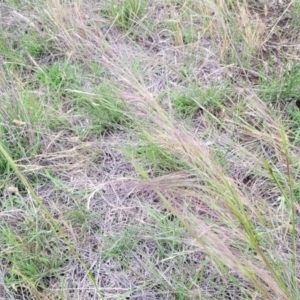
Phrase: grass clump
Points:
(105, 109)
(169, 239)
(18, 119)
(155, 158)
(194, 100)
(33, 44)
(57, 77)
(119, 245)
(30, 257)
(126, 13)
(284, 87)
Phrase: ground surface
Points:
(149, 149)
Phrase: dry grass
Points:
(149, 149)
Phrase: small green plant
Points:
(155, 158)
(16, 3)
(14, 56)
(282, 87)
(105, 109)
(126, 13)
(119, 245)
(32, 43)
(189, 36)
(96, 68)
(3, 136)
(57, 76)
(188, 103)
(169, 233)
(18, 117)
(294, 114)
(82, 217)
(16, 48)
(185, 106)
(30, 256)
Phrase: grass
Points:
(125, 13)
(149, 150)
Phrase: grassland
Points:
(149, 149)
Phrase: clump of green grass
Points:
(170, 232)
(105, 109)
(185, 106)
(58, 76)
(155, 158)
(33, 44)
(81, 216)
(30, 256)
(119, 245)
(25, 42)
(125, 13)
(18, 119)
(281, 87)
(195, 99)
(6, 49)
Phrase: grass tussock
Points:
(149, 150)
